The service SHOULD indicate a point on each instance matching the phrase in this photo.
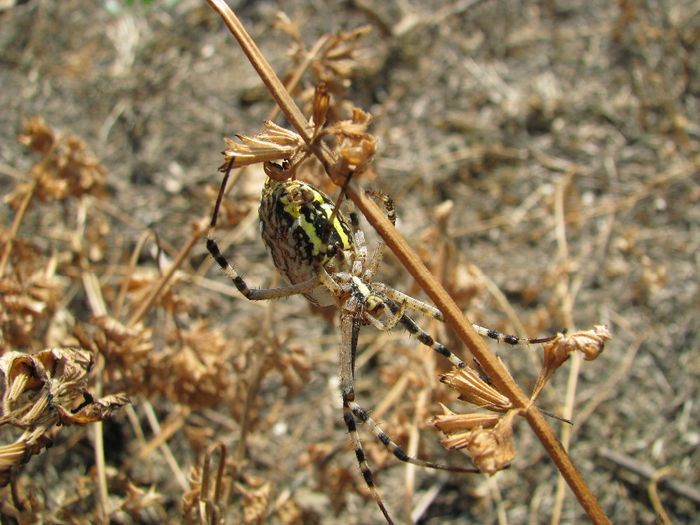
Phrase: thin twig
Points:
(653, 490)
(119, 302)
(152, 418)
(91, 284)
(160, 285)
(566, 308)
(15, 227)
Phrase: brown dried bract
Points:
(473, 389)
(65, 170)
(355, 147)
(271, 143)
(589, 342)
(489, 438)
(44, 390)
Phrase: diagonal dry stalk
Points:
(398, 245)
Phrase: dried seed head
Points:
(256, 498)
(355, 147)
(473, 389)
(66, 169)
(272, 143)
(488, 437)
(37, 135)
(492, 449)
(42, 390)
(589, 342)
(320, 106)
(339, 60)
(558, 350)
(25, 307)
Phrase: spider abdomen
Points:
(296, 228)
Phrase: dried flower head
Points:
(355, 147)
(37, 135)
(473, 389)
(44, 390)
(340, 59)
(198, 370)
(24, 307)
(65, 170)
(256, 498)
(271, 143)
(488, 437)
(589, 342)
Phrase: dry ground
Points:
(505, 109)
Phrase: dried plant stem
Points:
(251, 393)
(566, 307)
(495, 370)
(653, 490)
(15, 227)
(98, 445)
(160, 285)
(296, 77)
(453, 315)
(117, 308)
(209, 506)
(91, 284)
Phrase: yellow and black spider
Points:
(323, 256)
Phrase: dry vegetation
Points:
(544, 162)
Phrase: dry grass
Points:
(562, 143)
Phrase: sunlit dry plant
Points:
(66, 168)
(340, 60)
(256, 494)
(26, 306)
(209, 490)
(42, 391)
(128, 350)
(488, 437)
(198, 370)
(141, 283)
(294, 365)
(473, 389)
(337, 480)
(336, 62)
(353, 148)
(556, 352)
(272, 143)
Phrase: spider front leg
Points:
(426, 309)
(248, 293)
(350, 322)
(423, 336)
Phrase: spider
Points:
(323, 255)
